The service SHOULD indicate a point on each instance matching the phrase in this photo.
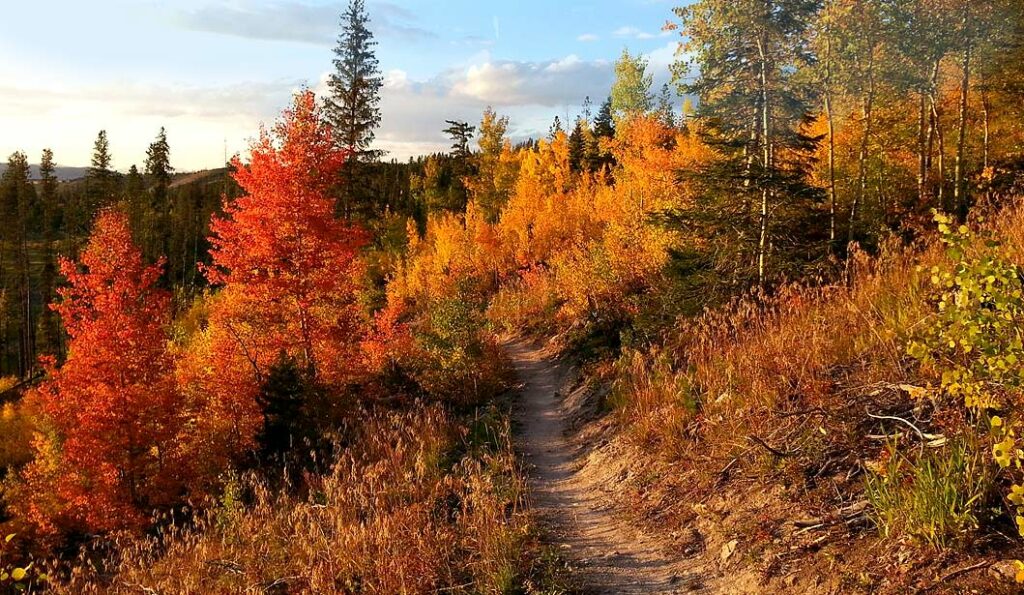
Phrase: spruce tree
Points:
(666, 111)
(99, 178)
(577, 146)
(156, 220)
(747, 56)
(48, 194)
(604, 127)
(353, 108)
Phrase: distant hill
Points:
(64, 173)
(69, 174)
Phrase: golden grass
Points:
(417, 504)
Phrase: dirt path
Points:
(611, 556)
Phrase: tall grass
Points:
(933, 496)
(411, 507)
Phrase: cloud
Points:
(199, 120)
(531, 93)
(635, 33)
(550, 83)
(587, 37)
(296, 21)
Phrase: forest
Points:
(776, 305)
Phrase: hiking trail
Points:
(608, 555)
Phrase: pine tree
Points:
(157, 227)
(353, 108)
(460, 133)
(666, 111)
(48, 195)
(577, 146)
(604, 128)
(556, 127)
(17, 205)
(100, 177)
(158, 167)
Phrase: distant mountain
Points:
(69, 174)
(64, 173)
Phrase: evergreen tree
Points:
(749, 55)
(666, 111)
(353, 108)
(100, 180)
(158, 167)
(604, 128)
(577, 146)
(556, 127)
(48, 331)
(287, 421)
(157, 227)
(460, 133)
(48, 195)
(17, 205)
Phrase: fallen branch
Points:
(769, 448)
(964, 570)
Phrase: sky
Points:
(211, 71)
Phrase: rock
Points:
(728, 549)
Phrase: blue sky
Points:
(212, 70)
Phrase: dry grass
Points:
(419, 503)
(771, 400)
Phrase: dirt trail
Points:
(611, 556)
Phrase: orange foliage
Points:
(112, 408)
(288, 270)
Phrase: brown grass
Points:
(419, 503)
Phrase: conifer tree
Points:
(604, 128)
(157, 224)
(748, 54)
(666, 111)
(100, 177)
(353, 108)
(578, 146)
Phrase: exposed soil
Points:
(572, 498)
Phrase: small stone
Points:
(728, 549)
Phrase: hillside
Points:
(763, 339)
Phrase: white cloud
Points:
(587, 37)
(198, 119)
(635, 33)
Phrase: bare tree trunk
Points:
(867, 108)
(922, 159)
(984, 137)
(766, 140)
(941, 161)
(960, 198)
(933, 123)
(831, 142)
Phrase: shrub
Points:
(972, 341)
